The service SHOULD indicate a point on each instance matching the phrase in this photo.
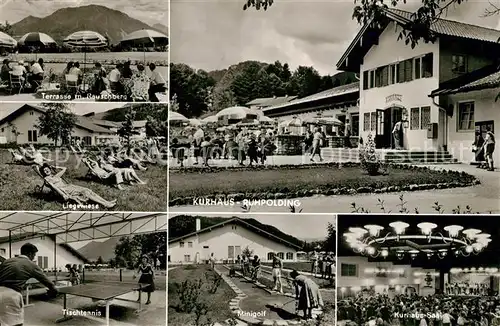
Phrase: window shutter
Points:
(401, 72)
(365, 80)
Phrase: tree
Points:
(100, 260)
(6, 28)
(304, 81)
(57, 123)
(13, 130)
(129, 249)
(247, 252)
(330, 243)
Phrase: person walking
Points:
(316, 147)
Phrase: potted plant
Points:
(369, 158)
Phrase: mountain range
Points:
(108, 22)
(105, 249)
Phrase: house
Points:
(65, 254)
(20, 127)
(140, 128)
(442, 92)
(228, 239)
(260, 103)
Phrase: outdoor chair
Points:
(16, 156)
(72, 84)
(92, 174)
(63, 195)
(16, 82)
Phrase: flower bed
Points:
(292, 181)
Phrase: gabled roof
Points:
(247, 223)
(367, 35)
(270, 101)
(329, 93)
(484, 78)
(82, 122)
(106, 123)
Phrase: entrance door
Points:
(443, 129)
(205, 254)
(482, 126)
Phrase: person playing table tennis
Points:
(74, 276)
(14, 273)
(147, 277)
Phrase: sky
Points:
(304, 227)
(214, 34)
(148, 11)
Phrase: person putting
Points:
(307, 294)
(147, 277)
(277, 272)
(14, 273)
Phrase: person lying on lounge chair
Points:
(128, 174)
(124, 161)
(33, 156)
(84, 194)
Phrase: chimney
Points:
(198, 224)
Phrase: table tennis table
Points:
(102, 291)
(33, 281)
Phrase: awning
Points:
(69, 227)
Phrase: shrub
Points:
(370, 160)
(189, 294)
(214, 280)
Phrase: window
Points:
(378, 77)
(87, 140)
(190, 244)
(408, 70)
(32, 136)
(43, 262)
(181, 244)
(281, 255)
(466, 116)
(425, 115)
(230, 252)
(459, 64)
(372, 79)
(392, 74)
(414, 118)
(205, 247)
(427, 65)
(373, 122)
(418, 67)
(349, 270)
(401, 72)
(289, 256)
(237, 250)
(355, 125)
(365, 80)
(2, 129)
(366, 122)
(385, 76)
(187, 258)
(168, 257)
(32, 113)
(234, 227)
(270, 256)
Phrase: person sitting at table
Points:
(140, 78)
(126, 70)
(157, 83)
(99, 69)
(19, 69)
(114, 79)
(75, 70)
(101, 83)
(37, 73)
(5, 71)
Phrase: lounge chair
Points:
(92, 174)
(16, 82)
(75, 151)
(64, 196)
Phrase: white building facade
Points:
(226, 242)
(399, 83)
(48, 252)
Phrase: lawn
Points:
(187, 184)
(218, 302)
(18, 184)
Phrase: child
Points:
(178, 151)
(74, 276)
(147, 277)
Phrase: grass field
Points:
(293, 180)
(218, 303)
(18, 182)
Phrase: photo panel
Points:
(83, 156)
(255, 269)
(84, 51)
(89, 268)
(424, 269)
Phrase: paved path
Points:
(260, 301)
(483, 198)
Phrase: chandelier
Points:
(374, 240)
